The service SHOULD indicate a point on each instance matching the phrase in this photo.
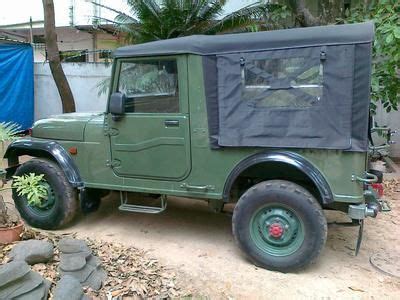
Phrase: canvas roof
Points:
(254, 41)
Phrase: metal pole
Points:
(30, 30)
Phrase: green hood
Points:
(69, 127)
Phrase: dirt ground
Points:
(199, 245)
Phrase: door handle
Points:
(171, 123)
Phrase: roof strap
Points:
(322, 54)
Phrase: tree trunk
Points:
(53, 55)
(303, 15)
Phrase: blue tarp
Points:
(16, 84)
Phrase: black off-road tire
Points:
(66, 199)
(90, 199)
(298, 202)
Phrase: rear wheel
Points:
(60, 205)
(279, 225)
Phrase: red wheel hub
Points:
(276, 230)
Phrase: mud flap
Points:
(360, 236)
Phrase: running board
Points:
(125, 206)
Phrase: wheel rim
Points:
(46, 205)
(277, 230)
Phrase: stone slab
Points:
(21, 286)
(32, 251)
(12, 271)
(96, 279)
(68, 287)
(72, 262)
(70, 245)
(81, 275)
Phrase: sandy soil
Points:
(199, 244)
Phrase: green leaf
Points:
(389, 38)
(31, 186)
(396, 32)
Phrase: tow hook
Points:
(372, 209)
(368, 179)
(361, 211)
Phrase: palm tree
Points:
(150, 20)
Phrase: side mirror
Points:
(117, 105)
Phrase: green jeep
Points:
(276, 122)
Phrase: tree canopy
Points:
(150, 20)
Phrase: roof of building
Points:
(254, 41)
(6, 40)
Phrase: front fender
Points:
(47, 149)
(287, 157)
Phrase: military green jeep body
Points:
(275, 121)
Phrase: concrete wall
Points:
(83, 79)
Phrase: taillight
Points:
(378, 188)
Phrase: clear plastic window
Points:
(282, 82)
(150, 86)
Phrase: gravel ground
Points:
(198, 247)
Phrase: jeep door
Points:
(151, 139)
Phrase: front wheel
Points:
(279, 225)
(61, 203)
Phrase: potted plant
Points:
(29, 185)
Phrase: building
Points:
(79, 43)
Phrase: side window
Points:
(150, 86)
(282, 82)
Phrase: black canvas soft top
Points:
(255, 41)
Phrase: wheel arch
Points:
(43, 149)
(279, 159)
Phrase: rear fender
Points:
(290, 158)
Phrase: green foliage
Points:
(32, 187)
(150, 20)
(8, 131)
(275, 16)
(386, 51)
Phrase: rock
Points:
(68, 287)
(17, 281)
(40, 292)
(23, 285)
(12, 271)
(72, 262)
(81, 274)
(94, 261)
(69, 245)
(32, 251)
(77, 261)
(95, 279)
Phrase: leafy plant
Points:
(31, 186)
(386, 50)
(8, 131)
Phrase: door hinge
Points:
(114, 163)
(111, 131)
